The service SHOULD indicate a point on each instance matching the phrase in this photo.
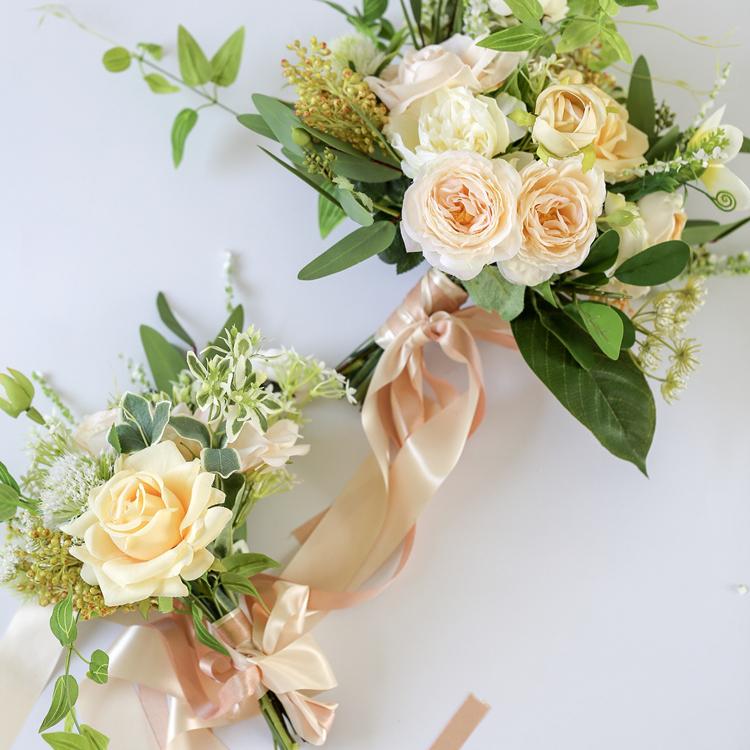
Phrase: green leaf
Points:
(356, 247)
(191, 429)
(374, 9)
(62, 622)
(194, 66)
(545, 291)
(171, 322)
(333, 142)
(353, 208)
(526, 11)
(655, 265)
(129, 439)
(117, 59)
(160, 420)
(221, 461)
(99, 667)
(159, 84)
(64, 697)
(362, 169)
(7, 478)
(578, 33)
(396, 255)
(641, 104)
(604, 325)
(68, 741)
(257, 124)
(416, 9)
(567, 327)
(665, 145)
(236, 320)
(183, 125)
(248, 564)
(164, 359)
(603, 253)
(628, 329)
(612, 398)
(155, 50)
(280, 119)
(97, 740)
(700, 234)
(305, 178)
(202, 632)
(165, 605)
(329, 216)
(9, 502)
(114, 439)
(492, 291)
(513, 39)
(617, 42)
(225, 64)
(239, 583)
(650, 4)
(136, 409)
(745, 148)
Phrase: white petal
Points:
(720, 180)
(519, 271)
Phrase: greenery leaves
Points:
(225, 64)
(64, 697)
(491, 291)
(195, 68)
(330, 216)
(356, 247)
(171, 322)
(165, 360)
(62, 622)
(656, 265)
(181, 129)
(641, 104)
(117, 59)
(610, 397)
(202, 633)
(221, 461)
(98, 667)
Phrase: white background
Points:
(593, 608)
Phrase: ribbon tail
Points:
(28, 657)
(311, 719)
(462, 725)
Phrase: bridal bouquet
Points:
(143, 507)
(489, 139)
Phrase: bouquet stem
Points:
(359, 367)
(273, 714)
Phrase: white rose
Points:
(629, 225)
(663, 215)
(456, 62)
(274, 448)
(146, 530)
(569, 118)
(461, 212)
(554, 10)
(448, 120)
(91, 433)
(558, 207)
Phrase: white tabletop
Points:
(592, 608)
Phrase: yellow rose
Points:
(619, 145)
(147, 528)
(569, 118)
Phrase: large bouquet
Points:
(143, 507)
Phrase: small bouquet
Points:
(143, 507)
(489, 139)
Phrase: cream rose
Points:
(274, 448)
(554, 10)
(91, 433)
(461, 212)
(456, 62)
(147, 528)
(569, 118)
(448, 120)
(619, 145)
(558, 207)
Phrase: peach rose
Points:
(148, 527)
(461, 212)
(558, 207)
(619, 145)
(456, 62)
(569, 118)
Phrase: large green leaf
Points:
(641, 104)
(194, 65)
(170, 321)
(603, 253)
(360, 245)
(657, 264)
(492, 291)
(164, 359)
(225, 64)
(281, 119)
(612, 398)
(513, 39)
(699, 233)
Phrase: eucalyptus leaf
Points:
(362, 169)
(604, 325)
(353, 208)
(603, 253)
(221, 461)
(702, 233)
(257, 124)
(356, 247)
(641, 103)
(302, 176)
(164, 359)
(612, 398)
(171, 322)
(280, 119)
(117, 59)
(225, 64)
(195, 68)
(329, 216)
(492, 291)
(64, 697)
(181, 129)
(159, 84)
(655, 265)
(62, 622)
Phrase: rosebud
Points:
(301, 137)
(19, 391)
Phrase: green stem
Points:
(276, 724)
(386, 209)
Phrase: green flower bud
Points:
(301, 137)
(19, 391)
